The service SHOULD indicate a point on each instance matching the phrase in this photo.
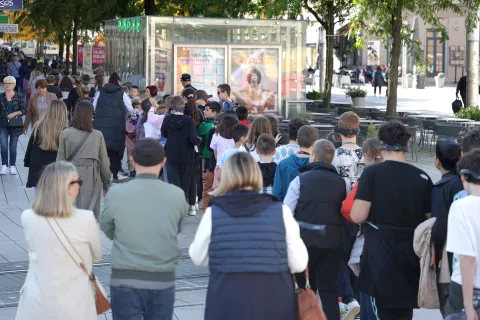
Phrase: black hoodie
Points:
(181, 135)
(268, 173)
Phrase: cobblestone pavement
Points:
(191, 281)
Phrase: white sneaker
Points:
(353, 308)
(4, 170)
(192, 211)
(13, 170)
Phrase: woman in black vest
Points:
(251, 243)
(112, 107)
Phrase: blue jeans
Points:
(138, 304)
(4, 145)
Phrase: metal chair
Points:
(428, 127)
(453, 131)
(412, 144)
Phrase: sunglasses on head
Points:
(79, 181)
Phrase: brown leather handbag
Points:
(308, 307)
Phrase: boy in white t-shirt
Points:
(463, 240)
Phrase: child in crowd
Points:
(266, 150)
(315, 198)
(260, 125)
(463, 240)
(349, 157)
(285, 151)
(222, 141)
(223, 92)
(201, 99)
(242, 114)
(469, 142)
(211, 111)
(181, 135)
(239, 133)
(289, 168)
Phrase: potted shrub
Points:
(358, 96)
(409, 80)
(314, 95)
(440, 80)
(472, 113)
(420, 76)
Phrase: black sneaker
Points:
(133, 174)
(116, 181)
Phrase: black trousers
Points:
(192, 191)
(181, 176)
(324, 266)
(464, 99)
(202, 167)
(375, 89)
(115, 158)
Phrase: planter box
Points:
(409, 82)
(420, 82)
(439, 82)
(358, 102)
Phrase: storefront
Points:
(262, 60)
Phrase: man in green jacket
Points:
(143, 218)
(211, 110)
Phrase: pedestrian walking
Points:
(112, 107)
(378, 80)
(181, 135)
(66, 86)
(85, 148)
(56, 287)
(462, 89)
(38, 104)
(259, 126)
(52, 88)
(13, 70)
(249, 279)
(143, 264)
(393, 198)
(42, 146)
(74, 95)
(11, 106)
(315, 198)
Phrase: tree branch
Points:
(315, 14)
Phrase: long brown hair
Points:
(260, 125)
(47, 130)
(83, 116)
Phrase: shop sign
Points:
(129, 25)
(11, 5)
(8, 28)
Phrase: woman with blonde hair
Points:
(43, 144)
(56, 287)
(252, 244)
(86, 149)
(259, 126)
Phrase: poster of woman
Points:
(254, 78)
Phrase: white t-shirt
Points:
(463, 236)
(221, 144)
(349, 163)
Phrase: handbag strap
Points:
(307, 280)
(80, 145)
(72, 252)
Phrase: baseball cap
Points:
(186, 77)
(202, 94)
(148, 152)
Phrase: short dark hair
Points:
(470, 161)
(242, 112)
(239, 131)
(50, 79)
(225, 88)
(214, 106)
(225, 128)
(273, 123)
(135, 87)
(471, 140)
(82, 116)
(294, 126)
(394, 133)
(266, 144)
(178, 102)
(306, 136)
(42, 83)
(448, 152)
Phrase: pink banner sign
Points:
(98, 55)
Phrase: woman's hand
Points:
(105, 193)
(11, 115)
(277, 138)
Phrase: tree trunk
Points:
(68, 41)
(74, 45)
(149, 7)
(394, 58)
(329, 59)
(61, 44)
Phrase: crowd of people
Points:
(371, 229)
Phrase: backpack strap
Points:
(80, 145)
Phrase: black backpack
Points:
(456, 105)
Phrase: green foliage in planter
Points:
(305, 116)
(355, 92)
(472, 113)
(441, 75)
(372, 131)
(314, 95)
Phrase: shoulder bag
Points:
(15, 122)
(101, 301)
(308, 307)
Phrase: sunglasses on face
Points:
(79, 181)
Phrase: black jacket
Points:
(36, 159)
(462, 86)
(322, 191)
(442, 197)
(110, 117)
(268, 173)
(181, 135)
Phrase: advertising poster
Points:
(98, 55)
(373, 53)
(87, 57)
(254, 78)
(161, 71)
(205, 65)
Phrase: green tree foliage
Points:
(388, 19)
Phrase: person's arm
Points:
(192, 134)
(61, 148)
(155, 119)
(163, 129)
(427, 207)
(104, 163)
(347, 204)
(198, 250)
(467, 271)
(293, 194)
(22, 107)
(297, 253)
(107, 218)
(94, 238)
(277, 184)
(363, 198)
(128, 103)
